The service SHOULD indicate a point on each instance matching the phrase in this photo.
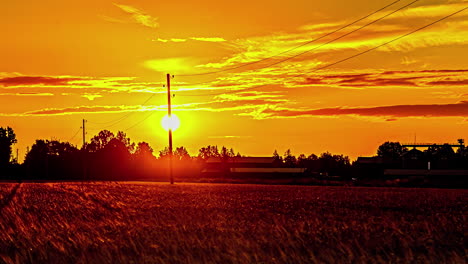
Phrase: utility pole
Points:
(85, 162)
(169, 114)
(17, 156)
(28, 168)
(84, 132)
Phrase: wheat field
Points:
(138, 222)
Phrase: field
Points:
(221, 223)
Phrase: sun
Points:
(170, 123)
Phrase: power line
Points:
(169, 95)
(328, 65)
(294, 48)
(141, 121)
(350, 57)
(388, 42)
(326, 43)
(338, 38)
(122, 118)
(73, 137)
(118, 120)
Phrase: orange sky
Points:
(62, 61)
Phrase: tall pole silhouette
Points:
(84, 133)
(85, 163)
(169, 114)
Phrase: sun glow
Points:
(170, 122)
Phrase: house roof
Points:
(370, 160)
(267, 170)
(256, 160)
(413, 152)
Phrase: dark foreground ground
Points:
(222, 223)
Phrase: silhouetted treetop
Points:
(213, 152)
(227, 153)
(208, 152)
(52, 159)
(440, 152)
(99, 141)
(392, 150)
(107, 139)
(7, 139)
(179, 153)
(143, 149)
(289, 159)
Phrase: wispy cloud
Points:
(423, 110)
(249, 96)
(36, 80)
(209, 39)
(112, 19)
(139, 16)
(229, 137)
(76, 110)
(179, 65)
(450, 82)
(27, 94)
(91, 97)
(204, 39)
(219, 105)
(411, 79)
(449, 32)
(96, 109)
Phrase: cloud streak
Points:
(209, 39)
(36, 80)
(428, 110)
(27, 94)
(449, 32)
(139, 16)
(204, 39)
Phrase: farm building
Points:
(248, 167)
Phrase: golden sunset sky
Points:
(105, 61)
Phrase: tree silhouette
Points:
(7, 139)
(99, 141)
(462, 155)
(226, 153)
(181, 153)
(277, 159)
(442, 157)
(143, 149)
(333, 164)
(462, 152)
(208, 152)
(122, 137)
(289, 159)
(440, 152)
(52, 160)
(109, 156)
(301, 161)
(392, 150)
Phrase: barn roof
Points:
(256, 160)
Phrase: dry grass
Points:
(222, 223)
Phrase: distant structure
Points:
(438, 163)
(242, 167)
(461, 144)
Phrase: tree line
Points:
(109, 156)
(439, 156)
